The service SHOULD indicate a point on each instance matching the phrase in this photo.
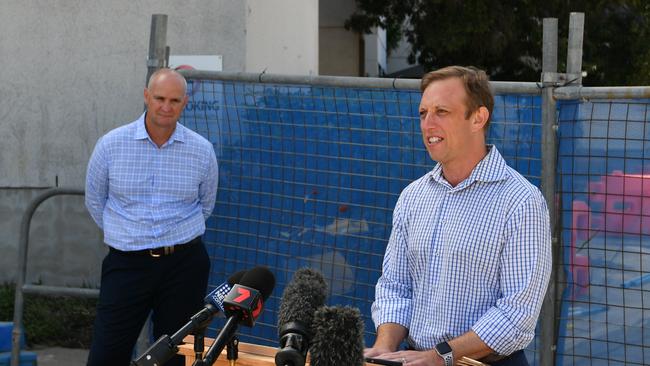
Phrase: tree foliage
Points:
(505, 37)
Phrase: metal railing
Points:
(21, 287)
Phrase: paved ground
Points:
(57, 356)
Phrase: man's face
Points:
(446, 133)
(165, 100)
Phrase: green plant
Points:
(52, 320)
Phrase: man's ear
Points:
(480, 118)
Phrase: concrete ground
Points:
(58, 356)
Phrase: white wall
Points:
(375, 52)
(282, 36)
(398, 57)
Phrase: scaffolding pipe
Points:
(499, 87)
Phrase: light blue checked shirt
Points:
(475, 256)
(147, 197)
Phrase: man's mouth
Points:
(435, 139)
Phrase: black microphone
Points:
(243, 304)
(338, 337)
(302, 296)
(166, 347)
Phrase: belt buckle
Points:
(155, 253)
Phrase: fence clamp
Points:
(559, 79)
(157, 63)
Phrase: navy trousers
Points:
(516, 359)
(133, 284)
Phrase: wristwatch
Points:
(444, 350)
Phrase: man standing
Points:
(469, 257)
(150, 186)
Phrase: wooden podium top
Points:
(256, 355)
(249, 354)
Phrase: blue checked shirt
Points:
(147, 197)
(476, 256)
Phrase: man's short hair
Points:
(475, 81)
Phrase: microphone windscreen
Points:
(260, 279)
(236, 277)
(338, 337)
(305, 293)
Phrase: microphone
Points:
(215, 298)
(166, 347)
(243, 304)
(302, 296)
(338, 337)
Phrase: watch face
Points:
(443, 348)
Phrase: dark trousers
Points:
(516, 359)
(170, 287)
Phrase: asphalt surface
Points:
(58, 356)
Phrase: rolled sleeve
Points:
(525, 271)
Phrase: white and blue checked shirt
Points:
(476, 256)
(147, 197)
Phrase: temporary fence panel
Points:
(309, 176)
(604, 184)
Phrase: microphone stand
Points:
(219, 344)
(199, 344)
(232, 350)
(166, 347)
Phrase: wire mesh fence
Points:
(309, 176)
(604, 180)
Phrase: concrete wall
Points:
(340, 51)
(282, 36)
(398, 58)
(375, 52)
(71, 71)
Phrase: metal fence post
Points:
(574, 50)
(158, 54)
(549, 147)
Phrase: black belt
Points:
(160, 251)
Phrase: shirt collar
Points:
(142, 134)
(490, 169)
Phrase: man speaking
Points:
(469, 257)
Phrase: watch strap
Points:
(444, 350)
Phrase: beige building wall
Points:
(341, 50)
(282, 36)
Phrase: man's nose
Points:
(427, 119)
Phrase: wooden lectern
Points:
(249, 354)
(256, 355)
